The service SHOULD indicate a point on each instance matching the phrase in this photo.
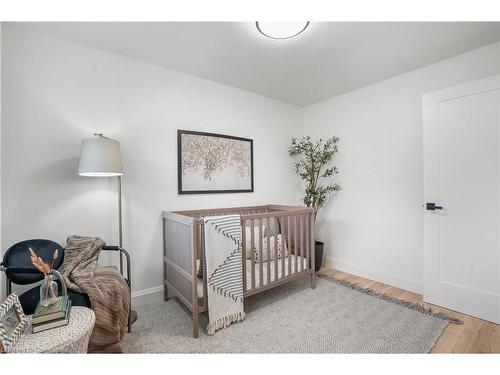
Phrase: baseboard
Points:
(393, 280)
(145, 296)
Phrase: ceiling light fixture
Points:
(281, 30)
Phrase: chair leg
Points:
(129, 323)
(130, 316)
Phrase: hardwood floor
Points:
(474, 336)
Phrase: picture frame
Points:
(209, 163)
(13, 322)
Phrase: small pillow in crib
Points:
(282, 249)
(248, 238)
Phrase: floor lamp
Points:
(101, 156)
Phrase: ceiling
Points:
(328, 59)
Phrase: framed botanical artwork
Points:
(13, 322)
(214, 163)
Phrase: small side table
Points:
(72, 338)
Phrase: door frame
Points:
(431, 193)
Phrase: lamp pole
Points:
(120, 221)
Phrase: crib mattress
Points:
(300, 261)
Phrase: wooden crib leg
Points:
(165, 293)
(196, 325)
(313, 279)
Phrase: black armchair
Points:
(19, 270)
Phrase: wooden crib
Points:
(184, 273)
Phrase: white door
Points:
(462, 175)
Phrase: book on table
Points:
(51, 312)
(58, 322)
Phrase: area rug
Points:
(333, 318)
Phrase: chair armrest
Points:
(121, 250)
(13, 273)
(9, 270)
(128, 280)
(113, 248)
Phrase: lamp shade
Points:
(100, 157)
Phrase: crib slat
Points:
(282, 232)
(289, 244)
(309, 239)
(308, 242)
(299, 239)
(252, 244)
(302, 242)
(276, 255)
(313, 250)
(204, 266)
(194, 285)
(295, 241)
(261, 266)
(268, 229)
(243, 253)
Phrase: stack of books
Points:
(52, 316)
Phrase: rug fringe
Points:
(225, 321)
(408, 305)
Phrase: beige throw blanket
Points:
(107, 289)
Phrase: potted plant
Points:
(314, 162)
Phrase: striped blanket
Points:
(224, 271)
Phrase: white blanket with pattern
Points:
(224, 271)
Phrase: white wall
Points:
(374, 228)
(2, 280)
(56, 92)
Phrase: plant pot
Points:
(318, 255)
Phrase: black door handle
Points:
(432, 206)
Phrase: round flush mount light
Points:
(281, 30)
